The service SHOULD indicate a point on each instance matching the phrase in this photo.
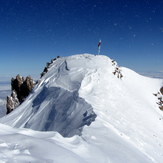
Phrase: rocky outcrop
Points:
(161, 90)
(12, 102)
(21, 88)
(48, 65)
(117, 72)
(16, 85)
(159, 96)
(26, 88)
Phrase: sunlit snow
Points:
(104, 118)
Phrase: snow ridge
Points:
(114, 112)
(55, 104)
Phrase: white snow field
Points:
(86, 114)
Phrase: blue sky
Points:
(34, 31)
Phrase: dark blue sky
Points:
(34, 31)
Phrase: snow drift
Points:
(112, 108)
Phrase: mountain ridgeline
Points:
(110, 113)
(64, 112)
(56, 102)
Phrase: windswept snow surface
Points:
(128, 127)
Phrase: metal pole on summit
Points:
(99, 47)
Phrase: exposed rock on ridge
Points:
(21, 88)
(159, 96)
(48, 65)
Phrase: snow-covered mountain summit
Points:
(112, 108)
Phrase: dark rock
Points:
(12, 102)
(121, 76)
(114, 72)
(42, 74)
(26, 88)
(48, 65)
(16, 84)
(21, 88)
(9, 104)
(161, 107)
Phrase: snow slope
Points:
(103, 118)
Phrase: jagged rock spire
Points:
(21, 88)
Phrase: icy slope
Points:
(76, 89)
